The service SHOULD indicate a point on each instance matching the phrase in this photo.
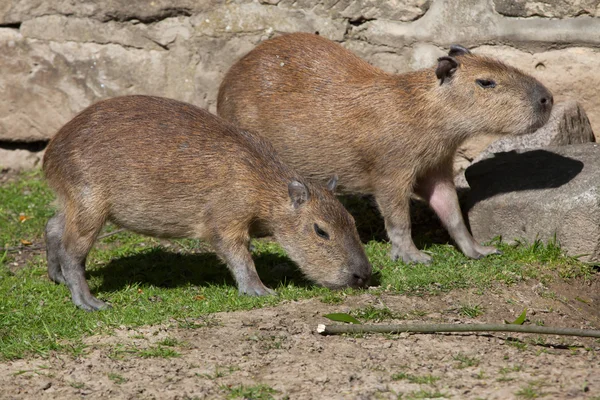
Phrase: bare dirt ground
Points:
(279, 347)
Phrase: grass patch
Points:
(24, 210)
(158, 352)
(332, 298)
(170, 342)
(257, 392)
(152, 282)
(220, 371)
(516, 343)
(423, 380)
(424, 394)
(531, 391)
(471, 311)
(374, 314)
(116, 378)
(465, 361)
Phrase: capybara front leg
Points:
(397, 224)
(239, 261)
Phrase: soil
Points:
(279, 347)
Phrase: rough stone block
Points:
(19, 159)
(547, 8)
(543, 193)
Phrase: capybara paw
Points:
(488, 250)
(57, 278)
(482, 251)
(91, 304)
(257, 290)
(413, 257)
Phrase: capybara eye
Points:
(486, 83)
(321, 232)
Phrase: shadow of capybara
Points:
(165, 168)
(327, 111)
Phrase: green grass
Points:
(24, 210)
(158, 352)
(374, 314)
(169, 342)
(120, 351)
(116, 378)
(423, 380)
(471, 311)
(465, 361)
(424, 394)
(257, 392)
(531, 391)
(151, 282)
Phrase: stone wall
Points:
(59, 56)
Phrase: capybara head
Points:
(491, 96)
(321, 237)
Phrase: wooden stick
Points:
(438, 328)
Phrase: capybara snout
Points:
(165, 168)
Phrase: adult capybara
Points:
(165, 168)
(326, 111)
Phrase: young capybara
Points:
(165, 168)
(326, 111)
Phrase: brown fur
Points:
(166, 168)
(327, 111)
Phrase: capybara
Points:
(327, 111)
(165, 168)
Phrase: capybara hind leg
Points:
(396, 214)
(440, 192)
(240, 263)
(54, 232)
(80, 233)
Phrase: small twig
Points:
(438, 328)
(41, 246)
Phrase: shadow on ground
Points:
(426, 227)
(165, 269)
(513, 172)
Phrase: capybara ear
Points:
(332, 184)
(446, 68)
(458, 50)
(298, 193)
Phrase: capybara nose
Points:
(360, 280)
(547, 100)
(543, 97)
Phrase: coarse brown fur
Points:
(165, 168)
(326, 111)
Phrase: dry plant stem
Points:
(439, 328)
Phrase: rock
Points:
(547, 8)
(19, 159)
(538, 194)
(14, 11)
(568, 124)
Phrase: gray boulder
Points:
(542, 193)
(19, 159)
